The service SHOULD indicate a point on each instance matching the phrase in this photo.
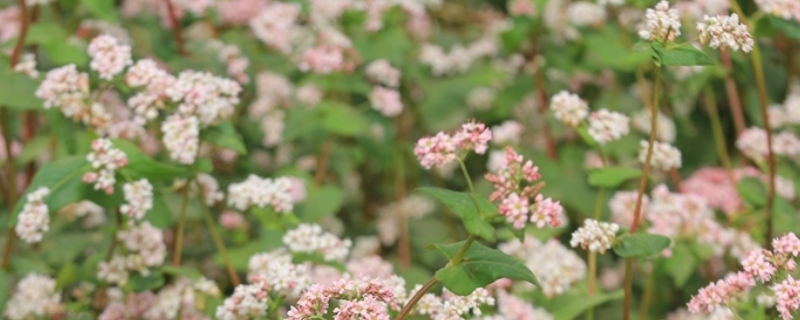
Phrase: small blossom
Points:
(507, 132)
(323, 59)
(109, 57)
(181, 137)
(606, 126)
(382, 72)
(665, 157)
(34, 219)
(138, 198)
(27, 65)
(481, 98)
(105, 160)
(387, 101)
(259, 192)
(725, 31)
(310, 238)
(35, 297)
(595, 236)
(569, 108)
(661, 23)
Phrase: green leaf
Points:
(753, 191)
(640, 245)
(342, 119)
(67, 275)
(480, 266)
(4, 289)
(140, 283)
(612, 177)
(321, 202)
(63, 53)
(16, 89)
(34, 148)
(317, 259)
(583, 131)
(569, 306)
(182, 271)
(142, 166)
(224, 135)
(681, 264)
(63, 178)
(102, 9)
(272, 220)
(685, 55)
(465, 206)
(785, 218)
(520, 30)
(42, 33)
(789, 27)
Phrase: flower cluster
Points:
(109, 57)
(725, 31)
(515, 200)
(105, 161)
(146, 103)
(383, 73)
(481, 98)
(66, 89)
(451, 306)
(556, 267)
(276, 271)
(181, 137)
(595, 236)
(35, 297)
(458, 60)
(606, 126)
(138, 198)
(753, 143)
(716, 188)
(665, 127)
(762, 266)
(180, 298)
(310, 238)
(786, 9)
(27, 65)
(144, 247)
(665, 157)
(387, 101)
(569, 108)
(249, 301)
(275, 25)
(358, 299)
(204, 96)
(661, 23)
(34, 219)
(259, 192)
(323, 59)
(444, 148)
(507, 132)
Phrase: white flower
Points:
(725, 31)
(666, 127)
(382, 72)
(606, 126)
(138, 198)
(387, 101)
(310, 238)
(35, 297)
(595, 236)
(109, 57)
(661, 23)
(181, 137)
(259, 192)
(665, 157)
(569, 108)
(34, 219)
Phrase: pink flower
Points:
(387, 101)
(323, 59)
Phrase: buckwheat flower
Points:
(753, 143)
(232, 220)
(610, 2)
(481, 98)
(726, 32)
(437, 150)
(666, 127)
(34, 297)
(474, 136)
(787, 293)
(210, 188)
(10, 18)
(595, 236)
(105, 160)
(323, 59)
(507, 132)
(786, 143)
(606, 126)
(586, 14)
(757, 265)
(248, 301)
(521, 8)
(556, 266)
(788, 244)
(785, 188)
(93, 215)
(545, 212)
(260, 192)
(569, 108)
(309, 95)
(382, 72)
(66, 89)
(516, 209)
(138, 198)
(512, 307)
(204, 96)
(277, 273)
(661, 23)
(276, 24)
(310, 238)
(786, 9)
(109, 57)
(387, 101)
(720, 293)
(181, 137)
(113, 271)
(665, 157)
(622, 206)
(27, 65)
(34, 219)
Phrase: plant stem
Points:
(676, 179)
(733, 94)
(413, 301)
(23, 32)
(761, 84)
(598, 210)
(114, 240)
(217, 239)
(466, 175)
(176, 28)
(461, 252)
(719, 136)
(628, 288)
(322, 161)
(404, 243)
(11, 235)
(648, 296)
(176, 260)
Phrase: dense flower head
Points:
(753, 143)
(595, 236)
(606, 126)
(443, 148)
(661, 23)
(144, 249)
(276, 271)
(556, 267)
(181, 137)
(725, 31)
(507, 132)
(66, 89)
(510, 175)
(382, 72)
(387, 101)
(451, 306)
(310, 238)
(362, 298)
(259, 192)
(109, 57)
(181, 297)
(27, 65)
(623, 204)
(786, 9)
(569, 108)
(275, 25)
(105, 160)
(720, 293)
(138, 198)
(521, 8)
(582, 14)
(715, 186)
(155, 81)
(34, 219)
(35, 297)
(665, 157)
(323, 59)
(204, 96)
(248, 301)
(665, 127)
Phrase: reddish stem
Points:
(176, 28)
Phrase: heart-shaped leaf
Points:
(480, 266)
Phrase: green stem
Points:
(176, 260)
(466, 175)
(628, 288)
(11, 235)
(648, 296)
(716, 127)
(413, 301)
(217, 239)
